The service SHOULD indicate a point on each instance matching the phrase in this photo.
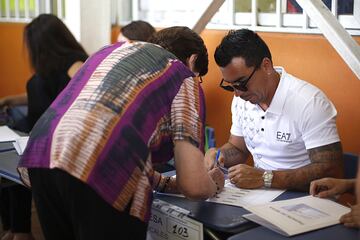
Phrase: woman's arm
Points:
(192, 178)
(14, 100)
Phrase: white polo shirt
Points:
(299, 117)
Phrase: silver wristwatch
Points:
(267, 177)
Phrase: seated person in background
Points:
(330, 187)
(55, 56)
(89, 157)
(136, 31)
(286, 124)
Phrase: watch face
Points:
(267, 177)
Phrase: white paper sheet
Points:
(7, 135)
(299, 215)
(232, 195)
(20, 144)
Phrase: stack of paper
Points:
(7, 135)
(295, 216)
(240, 197)
(20, 144)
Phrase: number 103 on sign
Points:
(183, 230)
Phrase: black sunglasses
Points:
(239, 84)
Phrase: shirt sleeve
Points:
(319, 123)
(187, 114)
(236, 127)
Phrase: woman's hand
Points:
(218, 177)
(3, 103)
(352, 219)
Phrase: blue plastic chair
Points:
(350, 165)
(209, 138)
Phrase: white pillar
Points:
(90, 22)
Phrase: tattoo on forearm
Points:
(327, 153)
(233, 155)
(326, 161)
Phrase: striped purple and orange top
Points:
(120, 113)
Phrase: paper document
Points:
(20, 144)
(7, 135)
(299, 215)
(232, 195)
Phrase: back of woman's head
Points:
(49, 42)
(183, 42)
(138, 31)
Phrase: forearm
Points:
(326, 161)
(300, 179)
(350, 183)
(233, 155)
(200, 186)
(192, 177)
(16, 100)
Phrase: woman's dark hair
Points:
(138, 31)
(242, 43)
(183, 42)
(49, 43)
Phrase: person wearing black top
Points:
(55, 57)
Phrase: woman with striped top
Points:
(89, 157)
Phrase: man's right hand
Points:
(329, 187)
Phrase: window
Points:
(25, 10)
(263, 15)
(175, 12)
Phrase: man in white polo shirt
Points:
(287, 124)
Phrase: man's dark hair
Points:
(138, 31)
(183, 42)
(49, 43)
(242, 43)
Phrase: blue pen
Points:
(224, 170)
(217, 156)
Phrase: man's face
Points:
(245, 81)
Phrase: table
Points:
(219, 217)
(9, 160)
(336, 232)
(227, 221)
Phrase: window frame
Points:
(227, 18)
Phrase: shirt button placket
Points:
(262, 124)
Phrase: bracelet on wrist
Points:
(160, 184)
(164, 184)
(217, 189)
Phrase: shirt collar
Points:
(278, 101)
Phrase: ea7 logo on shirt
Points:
(283, 137)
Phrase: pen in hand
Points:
(223, 169)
